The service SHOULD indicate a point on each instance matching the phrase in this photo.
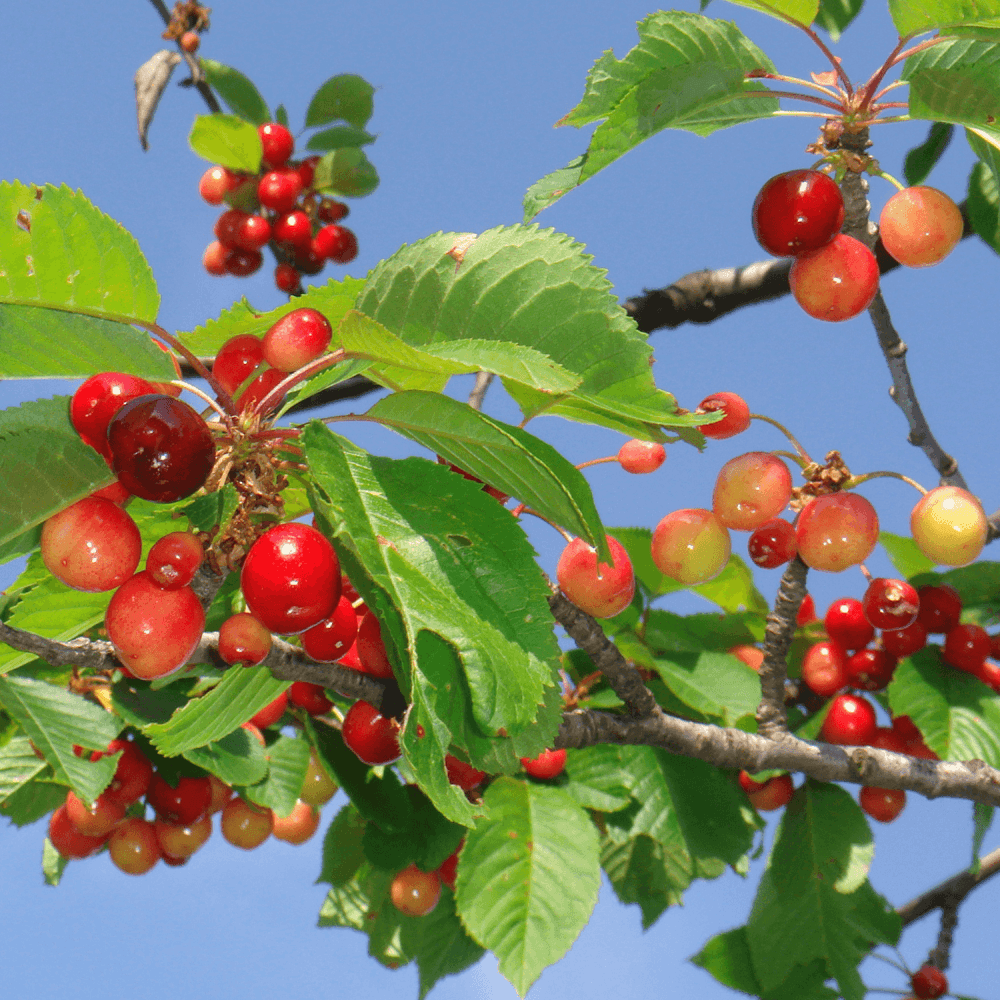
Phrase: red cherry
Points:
(296, 339)
(331, 211)
(449, 867)
(846, 624)
(98, 400)
(870, 669)
(215, 184)
(929, 982)
(245, 825)
(771, 794)
(806, 614)
(883, 804)
(328, 641)
(98, 821)
(244, 639)
(890, 604)
(849, 722)
(600, 590)
(132, 775)
(336, 243)
(270, 714)
(228, 225)
(752, 656)
(548, 764)
(307, 171)
(214, 258)
(735, 421)
(236, 360)
(309, 262)
(293, 231)
(888, 739)
(291, 578)
(940, 608)
(772, 544)
(797, 211)
(161, 449)
(836, 531)
(370, 735)
(174, 559)
(900, 642)
(243, 263)
(414, 892)
(279, 189)
(462, 774)
(310, 697)
(277, 143)
(370, 647)
(68, 840)
(836, 282)
(134, 847)
(640, 457)
(252, 395)
(286, 279)
(751, 489)
(824, 668)
(965, 647)
(183, 803)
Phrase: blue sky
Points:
(466, 97)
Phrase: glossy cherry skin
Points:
(900, 642)
(310, 697)
(277, 143)
(161, 449)
(299, 825)
(237, 360)
(98, 400)
(949, 526)
(272, 712)
(292, 231)
(291, 578)
(286, 279)
(836, 282)
(279, 189)
(244, 639)
(920, 226)
(97, 821)
(414, 892)
(370, 735)
(317, 786)
(216, 183)
(929, 982)
(846, 625)
(133, 846)
(600, 590)
(641, 457)
(690, 546)
(797, 211)
(966, 646)
(335, 243)
(181, 840)
(735, 421)
(836, 531)
(772, 544)
(824, 668)
(890, 604)
(184, 803)
(548, 764)
(751, 489)
(870, 669)
(940, 608)
(296, 339)
(68, 840)
(328, 641)
(370, 647)
(462, 774)
(849, 722)
(883, 804)
(174, 559)
(132, 775)
(245, 825)
(766, 796)
(448, 869)
(214, 258)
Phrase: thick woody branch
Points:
(772, 719)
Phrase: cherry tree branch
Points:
(952, 891)
(196, 75)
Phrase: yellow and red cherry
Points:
(920, 226)
(602, 590)
(836, 282)
(415, 892)
(691, 546)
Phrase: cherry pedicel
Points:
(929, 983)
(882, 804)
(296, 339)
(641, 457)
(920, 226)
(890, 604)
(735, 421)
(849, 722)
(291, 578)
(846, 624)
(772, 544)
(836, 282)
(370, 735)
(161, 449)
(548, 764)
(600, 590)
(797, 211)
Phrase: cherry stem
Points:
(784, 430)
(797, 459)
(838, 108)
(891, 86)
(829, 91)
(551, 524)
(926, 44)
(889, 961)
(274, 397)
(889, 121)
(518, 510)
(858, 480)
(890, 179)
(598, 461)
(868, 89)
(801, 114)
(202, 395)
(276, 432)
(865, 572)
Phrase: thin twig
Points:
(483, 380)
(203, 88)
(954, 889)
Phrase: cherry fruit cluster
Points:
(279, 207)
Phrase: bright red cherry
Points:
(836, 282)
(849, 722)
(132, 775)
(797, 211)
(940, 608)
(291, 578)
(236, 360)
(735, 421)
(414, 892)
(900, 642)
(772, 544)
(929, 982)
(870, 669)
(299, 825)
(68, 840)
(307, 171)
(245, 825)
(640, 457)
(370, 647)
(182, 803)
(462, 774)
(133, 846)
(174, 559)
(949, 526)
(751, 489)
(244, 639)
(293, 231)
(243, 263)
(328, 641)
(98, 821)
(311, 697)
(824, 668)
(98, 399)
(277, 143)
(279, 189)
(766, 796)
(920, 226)
(883, 804)
(966, 646)
(161, 449)
(548, 764)
(336, 243)
(370, 735)
(270, 714)
(836, 531)
(691, 546)
(286, 279)
(296, 339)
(449, 867)
(806, 614)
(260, 387)
(228, 227)
(846, 624)
(91, 546)
(600, 590)
(154, 631)
(890, 604)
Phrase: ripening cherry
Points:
(890, 604)
(949, 526)
(462, 773)
(251, 397)
(772, 544)
(849, 722)
(328, 641)
(691, 546)
(133, 846)
(291, 578)
(98, 399)
(298, 826)
(414, 892)
(870, 669)
(97, 821)
(161, 449)
(641, 457)
(181, 840)
(846, 624)
(215, 184)
(824, 668)
(547, 765)
(183, 803)
(900, 642)
(806, 614)
(154, 631)
(296, 339)
(271, 712)
(310, 697)
(766, 796)
(237, 360)
(286, 279)
(221, 793)
(371, 736)
(317, 786)
(929, 982)
(214, 258)
(335, 243)
(836, 531)
(965, 647)
(293, 231)
(882, 804)
(370, 647)
(244, 825)
(244, 639)
(940, 608)
(68, 840)
(279, 189)
(133, 773)
(243, 263)
(448, 869)
(189, 42)
(752, 656)
(600, 590)
(277, 143)
(920, 226)
(751, 489)
(797, 211)
(174, 559)
(836, 282)
(735, 421)
(91, 546)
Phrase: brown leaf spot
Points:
(462, 244)
(512, 834)
(23, 221)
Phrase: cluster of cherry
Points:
(278, 207)
(833, 276)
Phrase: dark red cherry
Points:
(797, 211)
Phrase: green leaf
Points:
(814, 900)
(33, 801)
(534, 288)
(242, 693)
(53, 863)
(528, 877)
(205, 512)
(236, 759)
(21, 545)
(140, 704)
(333, 300)
(343, 853)
(982, 816)
(835, 15)
(47, 343)
(18, 765)
(958, 715)
(917, 16)
(346, 172)
(506, 457)
(281, 115)
(63, 252)
(688, 72)
(54, 719)
(802, 11)
(596, 780)
(338, 137)
(237, 91)
(227, 140)
(426, 840)
(326, 378)
(288, 758)
(921, 160)
(983, 202)
(905, 554)
(727, 958)
(346, 97)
